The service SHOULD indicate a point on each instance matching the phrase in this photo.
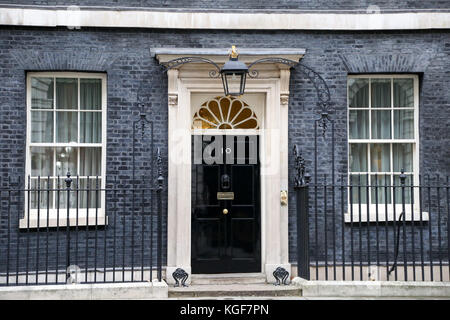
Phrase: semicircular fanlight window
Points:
(225, 113)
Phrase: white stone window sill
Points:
(361, 215)
(31, 222)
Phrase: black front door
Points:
(225, 204)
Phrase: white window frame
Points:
(368, 212)
(96, 216)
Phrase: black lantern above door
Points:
(234, 74)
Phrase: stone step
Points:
(235, 290)
(228, 278)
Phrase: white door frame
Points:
(274, 165)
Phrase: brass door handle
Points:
(225, 211)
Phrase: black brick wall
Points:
(124, 56)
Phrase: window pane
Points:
(402, 157)
(89, 195)
(90, 94)
(39, 194)
(66, 93)
(66, 161)
(359, 190)
(381, 124)
(380, 157)
(358, 93)
(42, 126)
(42, 93)
(382, 191)
(398, 190)
(404, 124)
(403, 93)
(66, 126)
(90, 127)
(90, 161)
(234, 82)
(358, 124)
(358, 157)
(41, 161)
(381, 93)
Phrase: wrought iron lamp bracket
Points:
(183, 60)
(141, 103)
(323, 120)
(322, 90)
(255, 73)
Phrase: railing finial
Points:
(68, 180)
(402, 177)
(160, 178)
(300, 178)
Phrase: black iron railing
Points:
(356, 230)
(57, 230)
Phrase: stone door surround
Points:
(272, 82)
